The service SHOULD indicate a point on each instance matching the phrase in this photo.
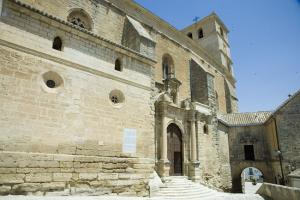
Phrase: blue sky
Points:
(264, 38)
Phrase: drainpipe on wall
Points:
(280, 154)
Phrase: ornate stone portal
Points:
(177, 150)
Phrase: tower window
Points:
(249, 152)
(57, 44)
(200, 33)
(118, 65)
(190, 35)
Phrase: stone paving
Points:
(176, 188)
(225, 197)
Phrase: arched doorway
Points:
(251, 180)
(175, 150)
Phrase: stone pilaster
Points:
(163, 163)
(194, 163)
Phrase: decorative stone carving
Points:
(172, 87)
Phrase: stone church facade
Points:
(98, 96)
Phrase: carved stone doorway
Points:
(175, 150)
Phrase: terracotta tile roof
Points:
(244, 119)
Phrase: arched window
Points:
(167, 66)
(205, 129)
(57, 44)
(118, 65)
(190, 35)
(200, 33)
(81, 19)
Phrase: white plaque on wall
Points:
(129, 140)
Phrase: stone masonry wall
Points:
(70, 138)
(59, 174)
(214, 157)
(288, 127)
(101, 12)
(249, 135)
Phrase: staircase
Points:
(180, 188)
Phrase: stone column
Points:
(194, 164)
(163, 163)
(193, 141)
(164, 140)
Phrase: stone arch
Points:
(178, 124)
(168, 69)
(238, 167)
(80, 18)
(253, 178)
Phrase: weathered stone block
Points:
(132, 176)
(107, 176)
(41, 164)
(66, 164)
(65, 192)
(63, 158)
(8, 170)
(87, 165)
(87, 170)
(5, 190)
(11, 178)
(58, 186)
(88, 176)
(57, 177)
(38, 178)
(142, 166)
(37, 170)
(24, 188)
(87, 159)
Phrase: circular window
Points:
(52, 81)
(117, 98)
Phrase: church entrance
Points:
(175, 150)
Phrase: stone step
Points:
(182, 196)
(185, 190)
(180, 188)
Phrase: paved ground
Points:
(176, 188)
(250, 188)
(226, 197)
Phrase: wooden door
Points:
(175, 150)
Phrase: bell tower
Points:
(212, 34)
